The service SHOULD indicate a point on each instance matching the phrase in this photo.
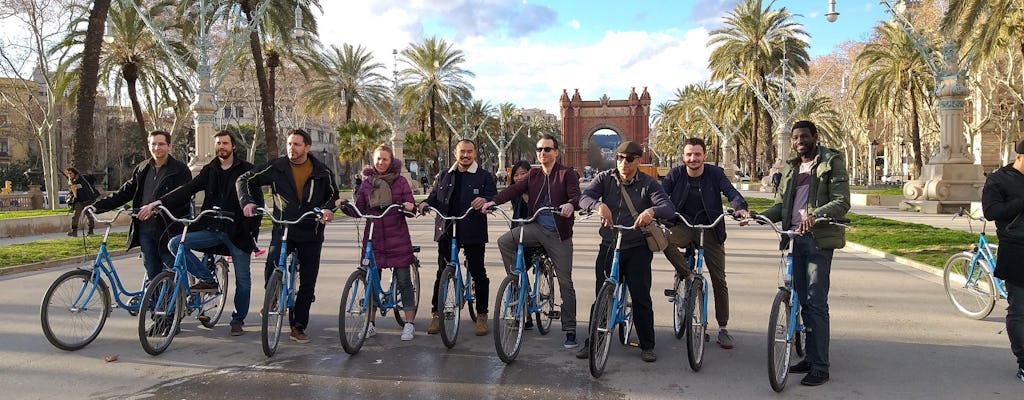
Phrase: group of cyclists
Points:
(813, 183)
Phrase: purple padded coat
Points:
(392, 245)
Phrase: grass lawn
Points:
(893, 190)
(53, 249)
(32, 213)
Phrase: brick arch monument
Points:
(581, 118)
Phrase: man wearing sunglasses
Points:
(554, 185)
(606, 194)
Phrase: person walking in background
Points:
(83, 193)
(1002, 201)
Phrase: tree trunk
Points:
(915, 134)
(130, 74)
(754, 128)
(433, 131)
(266, 98)
(82, 154)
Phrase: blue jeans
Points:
(1015, 320)
(241, 259)
(155, 256)
(811, 269)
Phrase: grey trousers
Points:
(714, 257)
(560, 253)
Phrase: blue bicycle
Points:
(517, 298)
(363, 293)
(281, 289)
(968, 276)
(785, 327)
(454, 292)
(77, 304)
(168, 297)
(612, 309)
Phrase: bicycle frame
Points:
(287, 269)
(385, 299)
(461, 291)
(698, 269)
(984, 250)
(180, 269)
(527, 289)
(105, 266)
(619, 299)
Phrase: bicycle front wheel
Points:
(354, 312)
(212, 303)
(779, 346)
(601, 322)
(273, 314)
(69, 321)
(449, 309)
(626, 326)
(414, 275)
(509, 320)
(469, 297)
(696, 330)
(969, 287)
(545, 297)
(679, 307)
(160, 315)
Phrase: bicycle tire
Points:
(159, 319)
(974, 297)
(800, 338)
(68, 326)
(626, 327)
(414, 274)
(696, 330)
(545, 297)
(600, 334)
(212, 303)
(779, 346)
(354, 312)
(678, 307)
(469, 297)
(449, 308)
(510, 319)
(272, 314)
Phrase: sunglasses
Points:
(545, 149)
(629, 158)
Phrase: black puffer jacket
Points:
(320, 191)
(131, 190)
(1002, 201)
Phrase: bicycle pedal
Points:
(634, 344)
(670, 293)
(554, 315)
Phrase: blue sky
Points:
(527, 52)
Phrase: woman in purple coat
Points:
(382, 186)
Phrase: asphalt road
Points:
(894, 335)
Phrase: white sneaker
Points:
(408, 331)
(371, 331)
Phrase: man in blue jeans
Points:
(237, 238)
(149, 180)
(814, 183)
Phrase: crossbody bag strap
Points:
(629, 202)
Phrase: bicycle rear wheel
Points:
(779, 346)
(273, 314)
(414, 274)
(159, 318)
(69, 322)
(212, 303)
(601, 320)
(510, 319)
(970, 288)
(679, 307)
(449, 309)
(696, 330)
(354, 312)
(545, 297)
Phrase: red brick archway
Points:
(580, 119)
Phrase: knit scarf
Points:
(380, 195)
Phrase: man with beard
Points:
(299, 183)
(696, 190)
(237, 239)
(814, 183)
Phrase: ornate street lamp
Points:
(831, 15)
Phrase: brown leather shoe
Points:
(435, 324)
(481, 324)
(299, 336)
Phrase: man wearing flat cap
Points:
(1002, 201)
(646, 201)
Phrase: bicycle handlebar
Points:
(216, 212)
(92, 214)
(526, 220)
(963, 212)
(315, 212)
(708, 226)
(761, 219)
(448, 218)
(371, 216)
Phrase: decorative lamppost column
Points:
(204, 108)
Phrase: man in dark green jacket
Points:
(814, 184)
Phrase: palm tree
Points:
(434, 69)
(85, 104)
(419, 147)
(355, 142)
(345, 78)
(986, 25)
(753, 41)
(894, 77)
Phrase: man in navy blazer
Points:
(696, 191)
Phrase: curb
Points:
(894, 258)
(61, 262)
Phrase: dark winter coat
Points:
(475, 183)
(644, 192)
(1002, 201)
(131, 190)
(713, 184)
(829, 195)
(392, 245)
(320, 191)
(564, 184)
(85, 193)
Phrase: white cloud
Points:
(574, 24)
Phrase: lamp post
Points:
(872, 160)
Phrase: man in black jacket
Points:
(237, 239)
(83, 193)
(299, 183)
(149, 180)
(1002, 201)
